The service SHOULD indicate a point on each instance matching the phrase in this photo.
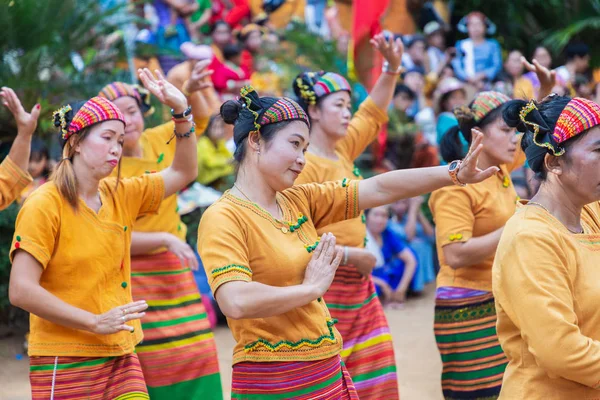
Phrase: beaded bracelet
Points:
(183, 135)
(190, 118)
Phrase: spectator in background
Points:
(198, 23)
(215, 161)
(396, 264)
(436, 45)
(39, 166)
(183, 9)
(450, 94)
(414, 56)
(233, 12)
(401, 130)
(228, 77)
(169, 36)
(578, 61)
(220, 35)
(414, 79)
(251, 38)
(542, 55)
(410, 223)
(277, 14)
(314, 15)
(511, 81)
(478, 60)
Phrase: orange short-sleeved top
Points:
(546, 284)
(362, 131)
(461, 213)
(239, 241)
(156, 156)
(85, 259)
(13, 180)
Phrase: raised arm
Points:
(395, 185)
(184, 168)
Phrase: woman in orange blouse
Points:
(469, 221)
(179, 353)
(266, 264)
(545, 276)
(337, 140)
(71, 252)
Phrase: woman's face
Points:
(542, 55)
(455, 99)
(400, 208)
(221, 35)
(513, 64)
(476, 27)
(282, 159)
(377, 219)
(580, 168)
(36, 167)
(134, 120)
(333, 114)
(499, 142)
(100, 150)
(254, 41)
(415, 81)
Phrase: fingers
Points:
(124, 327)
(483, 175)
(130, 317)
(471, 160)
(201, 65)
(134, 307)
(35, 111)
(530, 67)
(330, 250)
(319, 249)
(159, 75)
(338, 258)
(193, 263)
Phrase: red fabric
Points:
(247, 63)
(223, 74)
(240, 10)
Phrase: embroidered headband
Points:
(311, 86)
(264, 111)
(482, 105)
(578, 116)
(117, 90)
(93, 111)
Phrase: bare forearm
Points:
(473, 251)
(200, 107)
(213, 99)
(383, 91)
(409, 272)
(401, 184)
(427, 227)
(38, 301)
(244, 300)
(184, 168)
(147, 242)
(411, 224)
(20, 150)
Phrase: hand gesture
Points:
(183, 251)
(26, 122)
(390, 49)
(323, 264)
(469, 172)
(168, 94)
(546, 77)
(416, 202)
(115, 320)
(197, 80)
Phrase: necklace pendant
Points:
(284, 229)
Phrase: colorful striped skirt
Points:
(465, 332)
(179, 353)
(89, 378)
(368, 351)
(323, 379)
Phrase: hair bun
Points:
(230, 111)
(511, 115)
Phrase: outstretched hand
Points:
(546, 77)
(469, 172)
(168, 94)
(390, 49)
(26, 121)
(198, 77)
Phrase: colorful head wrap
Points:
(578, 116)
(92, 112)
(312, 86)
(257, 112)
(482, 105)
(116, 90)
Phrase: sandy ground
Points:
(417, 358)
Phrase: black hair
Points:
(39, 150)
(303, 84)
(576, 50)
(218, 23)
(236, 114)
(414, 40)
(540, 46)
(546, 116)
(403, 89)
(231, 50)
(451, 146)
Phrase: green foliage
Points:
(38, 42)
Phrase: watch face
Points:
(452, 165)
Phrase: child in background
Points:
(39, 167)
(396, 264)
(215, 161)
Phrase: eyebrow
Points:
(300, 136)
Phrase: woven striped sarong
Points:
(298, 380)
(368, 351)
(179, 353)
(473, 361)
(89, 378)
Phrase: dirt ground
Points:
(417, 358)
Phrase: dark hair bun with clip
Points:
(511, 115)
(230, 111)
